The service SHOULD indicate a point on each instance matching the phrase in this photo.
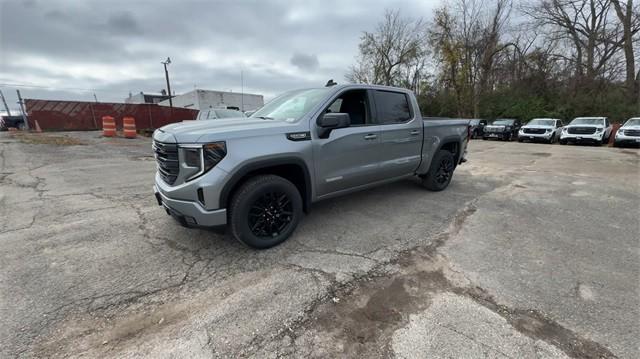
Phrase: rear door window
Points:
(392, 107)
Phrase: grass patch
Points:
(45, 139)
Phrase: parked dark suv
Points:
(503, 128)
(477, 127)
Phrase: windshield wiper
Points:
(265, 117)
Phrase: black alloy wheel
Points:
(440, 171)
(270, 214)
(445, 170)
(264, 211)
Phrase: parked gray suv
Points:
(258, 175)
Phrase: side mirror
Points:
(331, 121)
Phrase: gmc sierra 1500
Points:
(259, 174)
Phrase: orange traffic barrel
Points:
(129, 127)
(108, 126)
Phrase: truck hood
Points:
(538, 126)
(594, 126)
(201, 131)
(630, 127)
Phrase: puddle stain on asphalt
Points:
(362, 322)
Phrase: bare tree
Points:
(562, 58)
(630, 19)
(585, 24)
(393, 54)
(467, 38)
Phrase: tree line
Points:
(495, 58)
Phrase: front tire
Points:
(440, 171)
(265, 211)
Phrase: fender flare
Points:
(452, 139)
(239, 175)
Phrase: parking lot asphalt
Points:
(533, 251)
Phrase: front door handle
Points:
(414, 133)
(371, 136)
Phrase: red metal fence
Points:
(80, 115)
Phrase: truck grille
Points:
(167, 158)
(582, 130)
(632, 132)
(493, 129)
(537, 131)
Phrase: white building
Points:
(202, 99)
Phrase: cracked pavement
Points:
(533, 251)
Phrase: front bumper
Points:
(191, 214)
(626, 140)
(596, 137)
(500, 135)
(535, 136)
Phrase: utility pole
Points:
(5, 104)
(24, 115)
(95, 97)
(166, 75)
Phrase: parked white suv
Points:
(629, 133)
(586, 129)
(541, 129)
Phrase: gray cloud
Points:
(122, 23)
(116, 46)
(304, 62)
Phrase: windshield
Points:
(587, 121)
(502, 122)
(212, 114)
(291, 106)
(540, 122)
(633, 122)
(229, 113)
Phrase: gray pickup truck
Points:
(258, 175)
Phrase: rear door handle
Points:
(371, 136)
(414, 133)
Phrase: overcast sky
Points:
(116, 46)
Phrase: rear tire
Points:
(440, 171)
(265, 211)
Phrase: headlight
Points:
(564, 129)
(548, 130)
(192, 157)
(620, 132)
(203, 157)
(213, 153)
(599, 129)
